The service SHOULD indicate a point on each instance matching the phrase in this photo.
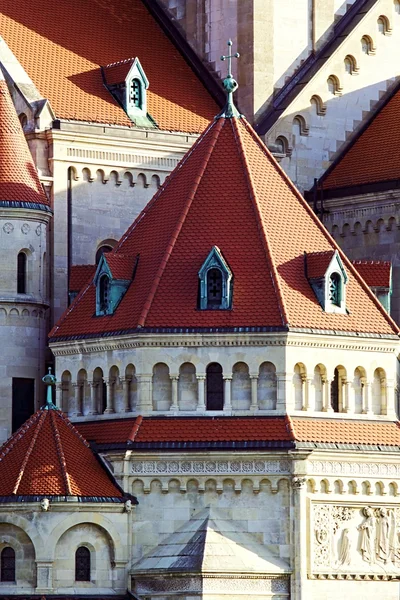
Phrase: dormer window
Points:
(328, 279)
(215, 278)
(335, 285)
(135, 96)
(127, 82)
(104, 293)
(114, 274)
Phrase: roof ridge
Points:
(60, 453)
(216, 126)
(321, 226)
(263, 233)
(9, 444)
(290, 427)
(41, 420)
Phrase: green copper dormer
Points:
(230, 85)
(113, 275)
(215, 278)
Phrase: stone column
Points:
(77, 387)
(174, 382)
(201, 393)
(94, 408)
(228, 393)
(254, 391)
(110, 392)
(59, 396)
(305, 381)
(144, 393)
(326, 395)
(126, 389)
(346, 403)
(366, 404)
(44, 576)
(390, 398)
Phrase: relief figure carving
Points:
(368, 533)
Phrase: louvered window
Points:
(82, 564)
(104, 293)
(135, 93)
(214, 288)
(7, 564)
(335, 295)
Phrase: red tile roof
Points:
(121, 265)
(374, 272)
(228, 191)
(62, 45)
(19, 181)
(79, 275)
(48, 457)
(318, 262)
(374, 155)
(153, 430)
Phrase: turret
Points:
(24, 219)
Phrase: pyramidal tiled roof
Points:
(48, 457)
(209, 542)
(228, 191)
(19, 181)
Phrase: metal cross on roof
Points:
(229, 57)
(230, 86)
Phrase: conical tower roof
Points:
(19, 182)
(229, 192)
(48, 457)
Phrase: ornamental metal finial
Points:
(50, 381)
(230, 85)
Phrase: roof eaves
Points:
(263, 233)
(215, 130)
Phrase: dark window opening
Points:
(335, 392)
(135, 93)
(82, 564)
(102, 250)
(335, 289)
(21, 273)
(214, 387)
(104, 292)
(23, 401)
(214, 288)
(7, 564)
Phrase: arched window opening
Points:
(214, 387)
(397, 6)
(23, 119)
(350, 65)
(135, 93)
(102, 250)
(335, 291)
(21, 273)
(335, 391)
(383, 25)
(214, 288)
(366, 45)
(104, 293)
(82, 564)
(334, 86)
(7, 564)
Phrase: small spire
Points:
(50, 381)
(230, 85)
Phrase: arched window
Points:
(135, 93)
(214, 288)
(82, 564)
(104, 293)
(102, 250)
(335, 295)
(21, 273)
(335, 392)
(214, 387)
(350, 65)
(384, 25)
(397, 6)
(7, 564)
(334, 86)
(366, 45)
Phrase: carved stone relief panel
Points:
(355, 539)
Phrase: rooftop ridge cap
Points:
(9, 444)
(323, 229)
(41, 420)
(73, 304)
(290, 427)
(119, 62)
(215, 130)
(263, 233)
(60, 453)
(135, 429)
(166, 183)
